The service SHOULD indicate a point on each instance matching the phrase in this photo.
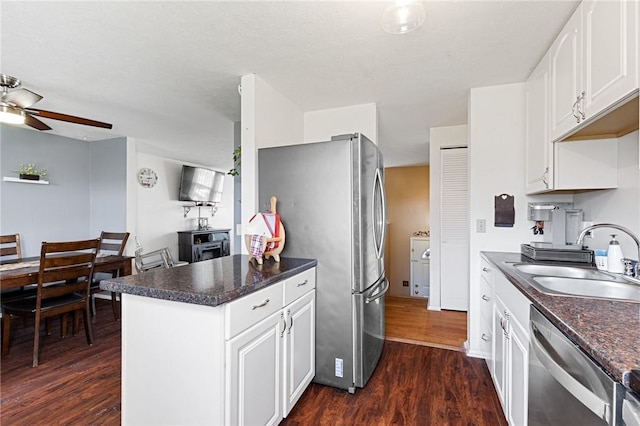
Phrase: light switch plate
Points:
(481, 226)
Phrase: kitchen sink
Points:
(562, 271)
(592, 288)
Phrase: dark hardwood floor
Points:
(412, 385)
(80, 385)
(75, 384)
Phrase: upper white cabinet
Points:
(593, 64)
(567, 166)
(539, 148)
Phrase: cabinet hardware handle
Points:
(284, 324)
(574, 108)
(545, 177)
(302, 283)
(291, 320)
(485, 298)
(260, 305)
(581, 99)
(485, 337)
(484, 269)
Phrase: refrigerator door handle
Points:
(379, 295)
(377, 186)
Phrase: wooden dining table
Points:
(14, 273)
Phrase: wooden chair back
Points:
(10, 246)
(113, 242)
(67, 264)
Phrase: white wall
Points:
(321, 125)
(620, 206)
(496, 166)
(439, 137)
(159, 213)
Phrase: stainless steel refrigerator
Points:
(332, 204)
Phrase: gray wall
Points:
(108, 177)
(68, 208)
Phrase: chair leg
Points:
(48, 326)
(87, 325)
(6, 329)
(36, 339)
(63, 325)
(93, 305)
(76, 322)
(114, 305)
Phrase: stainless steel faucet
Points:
(631, 274)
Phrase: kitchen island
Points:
(223, 341)
(607, 330)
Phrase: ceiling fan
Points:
(15, 107)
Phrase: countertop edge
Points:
(135, 287)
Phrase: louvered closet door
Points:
(454, 243)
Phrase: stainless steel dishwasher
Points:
(565, 386)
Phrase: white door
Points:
(454, 244)
(253, 392)
(420, 263)
(299, 354)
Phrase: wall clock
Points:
(147, 178)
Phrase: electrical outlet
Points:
(339, 367)
(405, 283)
(481, 226)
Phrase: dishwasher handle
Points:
(590, 400)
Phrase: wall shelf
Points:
(12, 179)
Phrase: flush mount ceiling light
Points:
(10, 115)
(403, 16)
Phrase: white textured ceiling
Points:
(166, 73)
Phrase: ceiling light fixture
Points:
(403, 16)
(11, 115)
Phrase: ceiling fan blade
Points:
(22, 98)
(69, 118)
(35, 123)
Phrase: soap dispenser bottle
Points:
(615, 257)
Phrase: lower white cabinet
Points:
(246, 362)
(510, 350)
(271, 364)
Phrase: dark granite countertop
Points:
(211, 282)
(609, 331)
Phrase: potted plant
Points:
(30, 172)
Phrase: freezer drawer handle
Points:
(302, 283)
(574, 387)
(379, 295)
(260, 305)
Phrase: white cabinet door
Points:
(299, 353)
(539, 152)
(518, 374)
(499, 351)
(565, 56)
(253, 391)
(610, 47)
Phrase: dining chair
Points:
(10, 247)
(111, 243)
(146, 261)
(65, 273)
